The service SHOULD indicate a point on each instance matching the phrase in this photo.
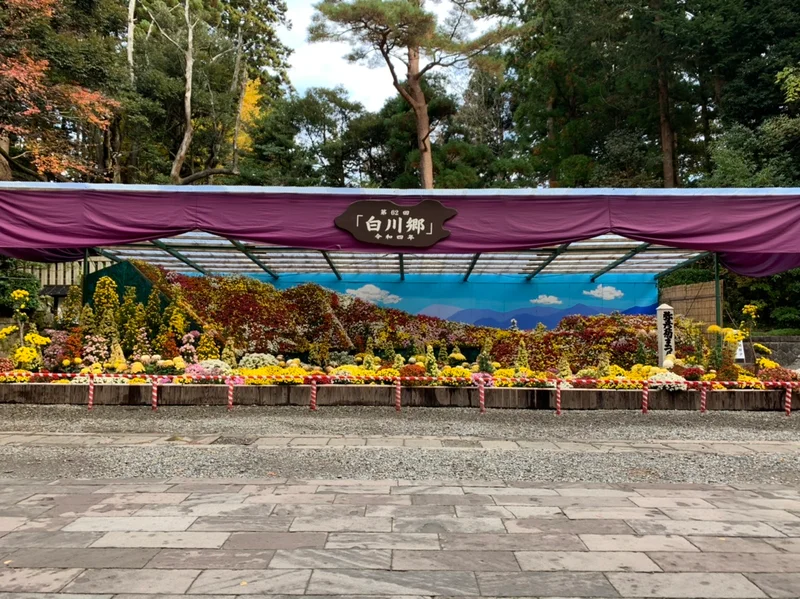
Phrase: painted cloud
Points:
(374, 294)
(605, 292)
(547, 300)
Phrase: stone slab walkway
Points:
(379, 539)
(309, 442)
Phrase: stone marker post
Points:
(666, 332)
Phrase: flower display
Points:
(667, 381)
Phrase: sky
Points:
(324, 65)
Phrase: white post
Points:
(666, 332)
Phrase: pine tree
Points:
(229, 354)
(485, 359)
(87, 320)
(521, 359)
(132, 329)
(207, 349)
(443, 353)
(153, 315)
(127, 309)
(431, 367)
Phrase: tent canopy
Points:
(756, 232)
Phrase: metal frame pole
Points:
(717, 290)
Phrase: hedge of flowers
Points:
(213, 330)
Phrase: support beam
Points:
(241, 247)
(178, 256)
(85, 277)
(638, 249)
(717, 291)
(109, 255)
(556, 253)
(331, 264)
(401, 258)
(471, 266)
(683, 264)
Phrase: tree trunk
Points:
(5, 167)
(551, 137)
(238, 126)
(129, 48)
(420, 107)
(238, 62)
(667, 134)
(188, 132)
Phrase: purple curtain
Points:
(756, 232)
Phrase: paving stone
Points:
(9, 524)
(726, 562)
(605, 527)
(145, 498)
(178, 540)
(359, 582)
(322, 511)
(414, 511)
(427, 490)
(510, 491)
(451, 500)
(211, 488)
(49, 539)
(276, 540)
(692, 527)
(497, 511)
(294, 489)
(788, 545)
(384, 442)
(272, 441)
(293, 499)
(242, 524)
(736, 544)
(694, 493)
(364, 559)
(214, 498)
(346, 499)
(250, 582)
(499, 445)
(614, 513)
(33, 580)
(513, 501)
(762, 503)
(212, 559)
(207, 509)
(659, 502)
(56, 596)
(439, 525)
(586, 561)
(545, 584)
(508, 542)
(470, 561)
(708, 586)
(363, 489)
(135, 523)
(778, 585)
(309, 441)
(74, 557)
(347, 442)
(132, 581)
(537, 445)
(368, 540)
(720, 515)
(344, 524)
(422, 443)
(790, 529)
(133, 488)
(637, 543)
(45, 524)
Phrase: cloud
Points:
(376, 295)
(605, 292)
(547, 300)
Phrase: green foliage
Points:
(128, 308)
(87, 320)
(442, 357)
(153, 314)
(686, 276)
(521, 360)
(431, 367)
(71, 308)
(13, 277)
(485, 359)
(229, 354)
(107, 326)
(132, 329)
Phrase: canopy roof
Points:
(523, 232)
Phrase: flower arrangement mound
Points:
(221, 330)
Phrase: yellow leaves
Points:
(251, 111)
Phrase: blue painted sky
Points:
(488, 299)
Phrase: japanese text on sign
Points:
(386, 223)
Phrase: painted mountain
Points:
(529, 318)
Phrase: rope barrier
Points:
(398, 393)
(314, 395)
(645, 396)
(482, 395)
(91, 391)
(154, 393)
(703, 393)
(230, 394)
(558, 398)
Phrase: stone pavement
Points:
(310, 442)
(278, 538)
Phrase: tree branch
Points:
(207, 173)
(23, 169)
(164, 33)
(395, 80)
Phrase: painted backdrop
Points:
(493, 300)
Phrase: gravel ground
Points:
(366, 421)
(417, 464)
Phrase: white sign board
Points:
(740, 351)
(666, 332)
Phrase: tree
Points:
(403, 31)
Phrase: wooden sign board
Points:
(383, 222)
